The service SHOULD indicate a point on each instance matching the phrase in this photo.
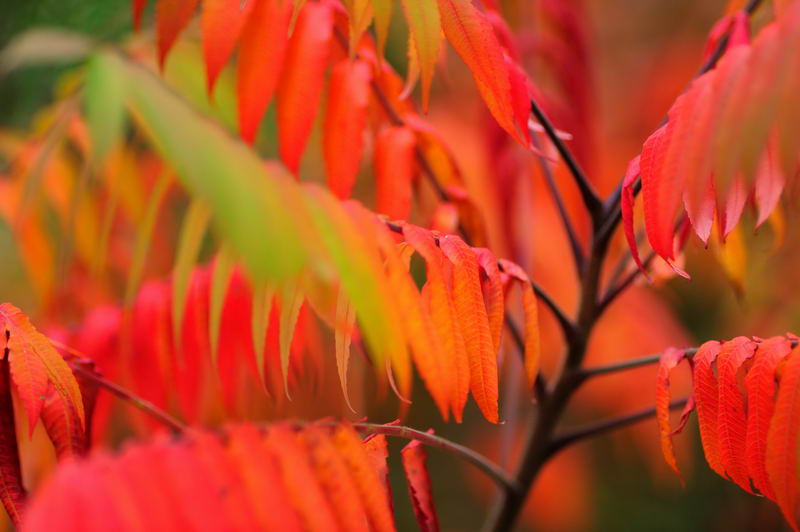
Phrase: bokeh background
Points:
(610, 78)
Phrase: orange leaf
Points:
(223, 21)
(781, 456)
(760, 386)
(395, 164)
(707, 399)
(474, 323)
(63, 426)
(426, 37)
(669, 360)
(731, 421)
(343, 128)
(35, 362)
(300, 86)
(12, 493)
(470, 33)
(336, 479)
(446, 379)
(171, 17)
(377, 450)
(301, 484)
(493, 293)
(366, 478)
(532, 332)
(419, 486)
(261, 54)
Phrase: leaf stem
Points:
(491, 469)
(142, 404)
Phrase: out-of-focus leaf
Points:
(419, 486)
(43, 46)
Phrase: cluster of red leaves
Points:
(34, 372)
(286, 48)
(314, 477)
(700, 159)
(746, 394)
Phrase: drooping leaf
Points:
(382, 11)
(760, 386)
(12, 492)
(474, 323)
(34, 364)
(221, 278)
(137, 8)
(395, 165)
(343, 128)
(493, 293)
(343, 332)
(223, 21)
(377, 449)
(301, 82)
(63, 426)
(261, 54)
(731, 420)
(669, 360)
(530, 308)
(706, 396)
(291, 299)
(471, 34)
(419, 486)
(425, 30)
(105, 111)
(263, 294)
(171, 17)
(193, 229)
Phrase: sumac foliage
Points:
(247, 227)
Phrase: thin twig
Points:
(629, 364)
(547, 172)
(612, 293)
(142, 404)
(431, 440)
(595, 429)
(590, 198)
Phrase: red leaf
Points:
(731, 421)
(395, 165)
(63, 426)
(34, 362)
(760, 386)
(661, 193)
(137, 6)
(261, 54)
(12, 492)
(474, 323)
(419, 486)
(669, 360)
(377, 450)
(493, 293)
(171, 17)
(627, 203)
(530, 308)
(223, 21)
(769, 183)
(301, 83)
(345, 119)
(471, 34)
(707, 398)
(781, 457)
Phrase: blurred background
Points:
(610, 69)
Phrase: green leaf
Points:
(105, 105)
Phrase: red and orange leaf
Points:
(706, 397)
(261, 53)
(760, 386)
(626, 206)
(493, 293)
(34, 362)
(63, 426)
(781, 456)
(377, 450)
(669, 360)
(12, 492)
(419, 486)
(447, 387)
(366, 478)
(732, 419)
(426, 38)
(531, 310)
(395, 165)
(171, 17)
(302, 79)
(299, 479)
(474, 323)
(222, 21)
(336, 478)
(343, 128)
(470, 33)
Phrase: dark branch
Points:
(617, 289)
(595, 429)
(590, 198)
(629, 364)
(575, 246)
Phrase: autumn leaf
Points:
(419, 486)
